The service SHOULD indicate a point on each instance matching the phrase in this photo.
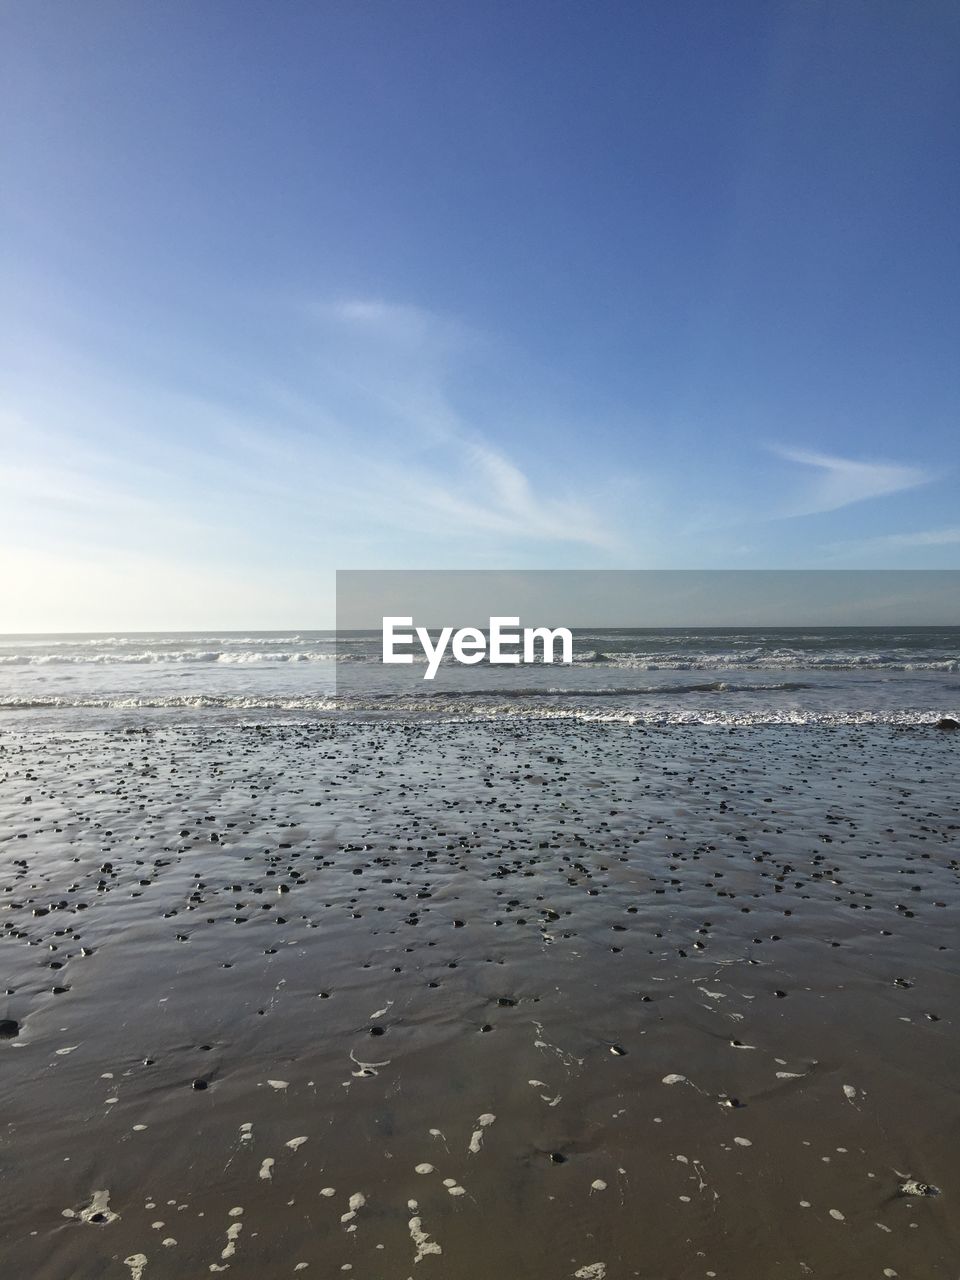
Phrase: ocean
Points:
(724, 676)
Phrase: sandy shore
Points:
(522, 1000)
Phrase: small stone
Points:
(913, 1187)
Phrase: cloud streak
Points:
(442, 471)
(920, 538)
(485, 493)
(363, 423)
(840, 482)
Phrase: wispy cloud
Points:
(441, 470)
(400, 323)
(363, 418)
(839, 482)
(903, 541)
(481, 492)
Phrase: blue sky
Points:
(308, 286)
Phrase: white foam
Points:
(476, 1139)
(425, 1246)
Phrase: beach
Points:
(401, 997)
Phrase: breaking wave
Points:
(767, 660)
(753, 660)
(475, 707)
(150, 656)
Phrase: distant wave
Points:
(197, 638)
(754, 660)
(159, 656)
(773, 660)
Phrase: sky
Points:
(337, 285)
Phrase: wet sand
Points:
(472, 1001)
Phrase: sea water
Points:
(723, 676)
